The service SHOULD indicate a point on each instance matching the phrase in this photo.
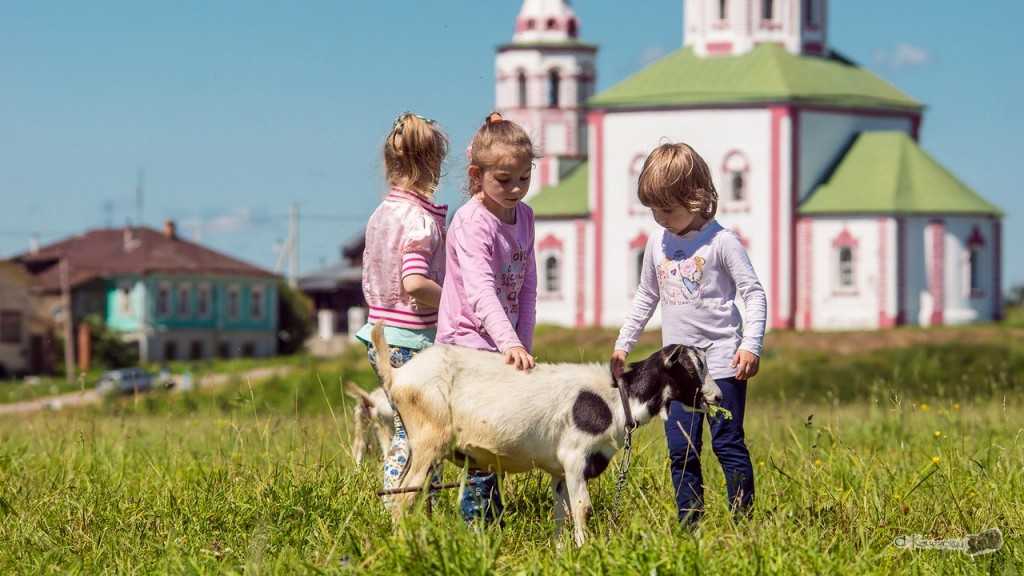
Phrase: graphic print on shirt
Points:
(510, 281)
(680, 281)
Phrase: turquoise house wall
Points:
(145, 296)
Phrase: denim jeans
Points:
(728, 444)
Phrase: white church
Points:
(848, 221)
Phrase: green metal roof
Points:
(569, 198)
(887, 172)
(767, 73)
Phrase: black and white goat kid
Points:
(566, 419)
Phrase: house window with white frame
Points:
(163, 300)
(234, 306)
(203, 300)
(723, 10)
(768, 10)
(10, 327)
(256, 303)
(184, 308)
(124, 299)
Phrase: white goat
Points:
(372, 413)
(566, 419)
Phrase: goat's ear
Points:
(671, 357)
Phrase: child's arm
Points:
(423, 290)
(473, 246)
(645, 301)
(528, 301)
(421, 241)
(737, 262)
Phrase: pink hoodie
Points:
(489, 300)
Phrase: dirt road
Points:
(86, 397)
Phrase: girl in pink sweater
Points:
(489, 298)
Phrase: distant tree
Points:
(295, 319)
(1015, 297)
(108, 349)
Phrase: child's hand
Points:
(746, 364)
(519, 357)
(618, 363)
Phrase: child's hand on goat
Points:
(519, 357)
(746, 364)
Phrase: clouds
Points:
(229, 223)
(903, 56)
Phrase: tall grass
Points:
(850, 450)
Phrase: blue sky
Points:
(234, 109)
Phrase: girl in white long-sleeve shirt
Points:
(696, 269)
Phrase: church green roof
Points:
(568, 198)
(768, 73)
(887, 172)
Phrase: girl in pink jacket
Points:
(403, 262)
(489, 299)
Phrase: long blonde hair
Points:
(414, 152)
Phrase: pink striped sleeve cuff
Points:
(415, 263)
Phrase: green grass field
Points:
(910, 434)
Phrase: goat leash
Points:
(627, 458)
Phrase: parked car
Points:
(125, 381)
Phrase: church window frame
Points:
(550, 257)
(845, 256)
(973, 259)
(554, 88)
(633, 204)
(735, 188)
(522, 89)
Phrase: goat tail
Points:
(384, 369)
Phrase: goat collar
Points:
(631, 423)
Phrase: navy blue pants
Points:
(728, 445)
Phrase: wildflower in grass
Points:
(956, 407)
(936, 460)
(760, 463)
(937, 435)
(924, 407)
(817, 462)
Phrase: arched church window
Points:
(521, 98)
(552, 24)
(573, 28)
(552, 274)
(531, 24)
(554, 87)
(844, 248)
(846, 279)
(735, 193)
(738, 186)
(975, 247)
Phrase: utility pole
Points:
(139, 196)
(69, 333)
(293, 245)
